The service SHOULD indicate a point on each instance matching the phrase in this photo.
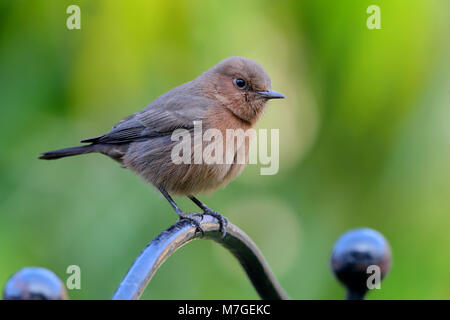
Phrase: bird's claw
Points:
(192, 217)
(223, 222)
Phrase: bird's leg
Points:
(222, 220)
(183, 215)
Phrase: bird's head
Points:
(242, 86)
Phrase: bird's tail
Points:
(68, 152)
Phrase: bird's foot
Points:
(193, 218)
(223, 222)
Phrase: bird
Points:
(232, 95)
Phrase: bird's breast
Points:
(219, 153)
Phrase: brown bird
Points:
(231, 95)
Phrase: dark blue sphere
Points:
(33, 283)
(352, 255)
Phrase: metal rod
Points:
(182, 232)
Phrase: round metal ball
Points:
(33, 283)
(352, 255)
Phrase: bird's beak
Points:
(271, 94)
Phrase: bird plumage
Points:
(231, 95)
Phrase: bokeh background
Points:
(364, 140)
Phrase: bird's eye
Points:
(240, 83)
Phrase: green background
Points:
(364, 140)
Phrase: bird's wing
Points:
(161, 117)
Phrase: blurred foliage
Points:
(364, 140)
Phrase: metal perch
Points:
(173, 238)
(353, 253)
